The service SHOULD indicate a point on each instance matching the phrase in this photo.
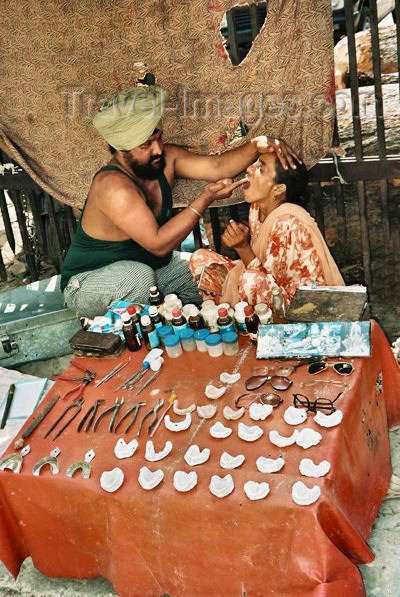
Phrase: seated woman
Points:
(282, 245)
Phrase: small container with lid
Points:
(172, 299)
(264, 313)
(214, 345)
(227, 307)
(164, 330)
(186, 337)
(230, 344)
(172, 346)
(200, 338)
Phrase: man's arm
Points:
(231, 162)
(126, 207)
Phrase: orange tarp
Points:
(147, 543)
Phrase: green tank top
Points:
(87, 253)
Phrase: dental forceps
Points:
(77, 404)
(84, 381)
(91, 415)
(113, 409)
(132, 411)
(153, 410)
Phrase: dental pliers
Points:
(90, 416)
(153, 410)
(113, 409)
(132, 411)
(77, 404)
(84, 381)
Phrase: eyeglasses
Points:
(341, 368)
(278, 382)
(246, 400)
(286, 369)
(299, 400)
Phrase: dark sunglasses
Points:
(246, 400)
(341, 368)
(278, 382)
(301, 401)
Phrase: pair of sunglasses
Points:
(324, 404)
(341, 368)
(278, 382)
(246, 400)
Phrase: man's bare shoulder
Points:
(111, 189)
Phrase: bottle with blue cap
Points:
(214, 345)
(172, 346)
(230, 344)
(186, 337)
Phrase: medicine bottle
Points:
(150, 336)
(224, 321)
(278, 308)
(264, 313)
(186, 336)
(155, 316)
(129, 330)
(135, 319)
(195, 321)
(252, 322)
(239, 318)
(214, 345)
(172, 346)
(230, 344)
(156, 297)
(178, 321)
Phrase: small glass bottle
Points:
(264, 313)
(278, 307)
(172, 346)
(210, 315)
(135, 319)
(239, 318)
(200, 338)
(214, 345)
(178, 321)
(195, 321)
(224, 321)
(156, 297)
(155, 316)
(150, 336)
(163, 331)
(252, 322)
(230, 344)
(131, 336)
(186, 336)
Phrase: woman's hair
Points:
(111, 149)
(295, 179)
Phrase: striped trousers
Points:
(90, 293)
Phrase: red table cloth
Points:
(148, 543)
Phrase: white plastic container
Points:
(214, 345)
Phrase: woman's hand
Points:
(236, 235)
(222, 189)
(285, 153)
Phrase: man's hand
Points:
(222, 189)
(285, 153)
(236, 235)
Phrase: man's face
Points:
(148, 160)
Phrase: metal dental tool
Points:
(90, 416)
(77, 404)
(113, 409)
(153, 410)
(147, 383)
(40, 417)
(111, 373)
(132, 411)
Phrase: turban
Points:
(129, 118)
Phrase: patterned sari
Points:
(289, 250)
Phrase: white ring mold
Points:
(229, 378)
(232, 415)
(195, 456)
(213, 393)
(269, 465)
(259, 412)
(303, 495)
(150, 479)
(180, 425)
(125, 450)
(185, 481)
(221, 486)
(207, 411)
(308, 468)
(230, 462)
(182, 411)
(112, 480)
(308, 437)
(249, 433)
(295, 416)
(280, 440)
(328, 420)
(256, 491)
(219, 431)
(152, 456)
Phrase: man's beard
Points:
(149, 171)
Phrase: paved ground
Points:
(381, 578)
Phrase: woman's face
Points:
(260, 179)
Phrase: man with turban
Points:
(126, 237)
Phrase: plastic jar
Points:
(214, 345)
(230, 344)
(200, 338)
(172, 346)
(187, 339)
(210, 316)
(186, 309)
(264, 313)
(163, 331)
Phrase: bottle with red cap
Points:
(224, 321)
(251, 321)
(135, 317)
(179, 321)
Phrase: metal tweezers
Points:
(132, 411)
(91, 415)
(77, 404)
(113, 409)
(153, 410)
